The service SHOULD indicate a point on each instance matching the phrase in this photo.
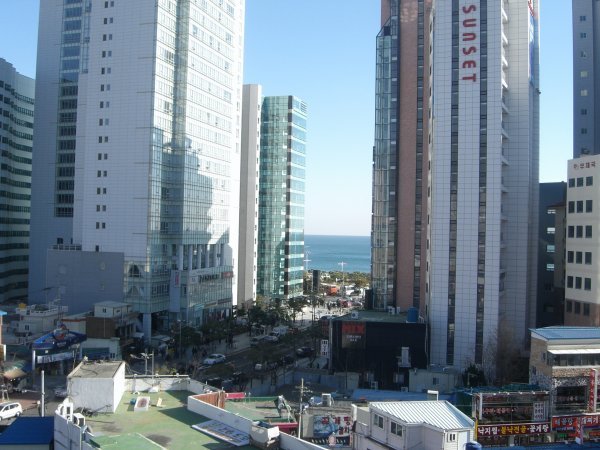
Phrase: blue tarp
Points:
(29, 431)
(59, 339)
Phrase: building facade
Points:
(483, 180)
(586, 88)
(249, 176)
(17, 94)
(566, 362)
(582, 284)
(281, 198)
(138, 150)
(400, 155)
(551, 255)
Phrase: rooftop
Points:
(169, 426)
(373, 316)
(440, 414)
(561, 333)
(258, 408)
(106, 369)
(111, 304)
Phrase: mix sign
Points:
(512, 430)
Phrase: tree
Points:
(295, 306)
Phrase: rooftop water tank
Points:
(412, 315)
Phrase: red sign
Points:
(570, 423)
(353, 334)
(513, 429)
(469, 29)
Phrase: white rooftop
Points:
(438, 413)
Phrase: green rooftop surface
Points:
(169, 426)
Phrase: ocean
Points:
(327, 252)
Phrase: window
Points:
(582, 35)
(571, 182)
(578, 257)
(571, 207)
(584, 131)
(583, 54)
(579, 206)
(583, 74)
(579, 229)
(583, 92)
(550, 267)
(589, 181)
(588, 206)
(571, 231)
(570, 256)
(569, 306)
(583, 111)
(550, 248)
(582, 18)
(577, 308)
(396, 429)
(550, 211)
(451, 437)
(570, 281)
(578, 281)
(588, 257)
(378, 421)
(588, 231)
(586, 309)
(587, 284)
(550, 230)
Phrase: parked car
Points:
(259, 367)
(213, 359)
(272, 337)
(61, 392)
(287, 359)
(8, 410)
(304, 352)
(255, 341)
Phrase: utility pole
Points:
(300, 408)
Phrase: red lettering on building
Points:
(469, 36)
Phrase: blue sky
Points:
(324, 53)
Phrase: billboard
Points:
(353, 335)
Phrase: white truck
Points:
(281, 330)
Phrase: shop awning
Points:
(14, 373)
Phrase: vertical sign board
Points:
(592, 398)
(325, 348)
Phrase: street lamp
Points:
(180, 326)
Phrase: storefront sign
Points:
(513, 429)
(325, 348)
(570, 423)
(41, 359)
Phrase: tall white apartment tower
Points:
(249, 179)
(484, 179)
(138, 153)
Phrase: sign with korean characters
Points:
(513, 429)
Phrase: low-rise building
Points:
(566, 361)
(420, 425)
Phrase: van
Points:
(9, 410)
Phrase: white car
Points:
(215, 358)
(9, 410)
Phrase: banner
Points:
(353, 335)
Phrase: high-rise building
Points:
(582, 286)
(586, 85)
(281, 198)
(400, 155)
(484, 180)
(17, 94)
(249, 176)
(137, 153)
(551, 255)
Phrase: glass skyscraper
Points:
(138, 153)
(280, 261)
(16, 135)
